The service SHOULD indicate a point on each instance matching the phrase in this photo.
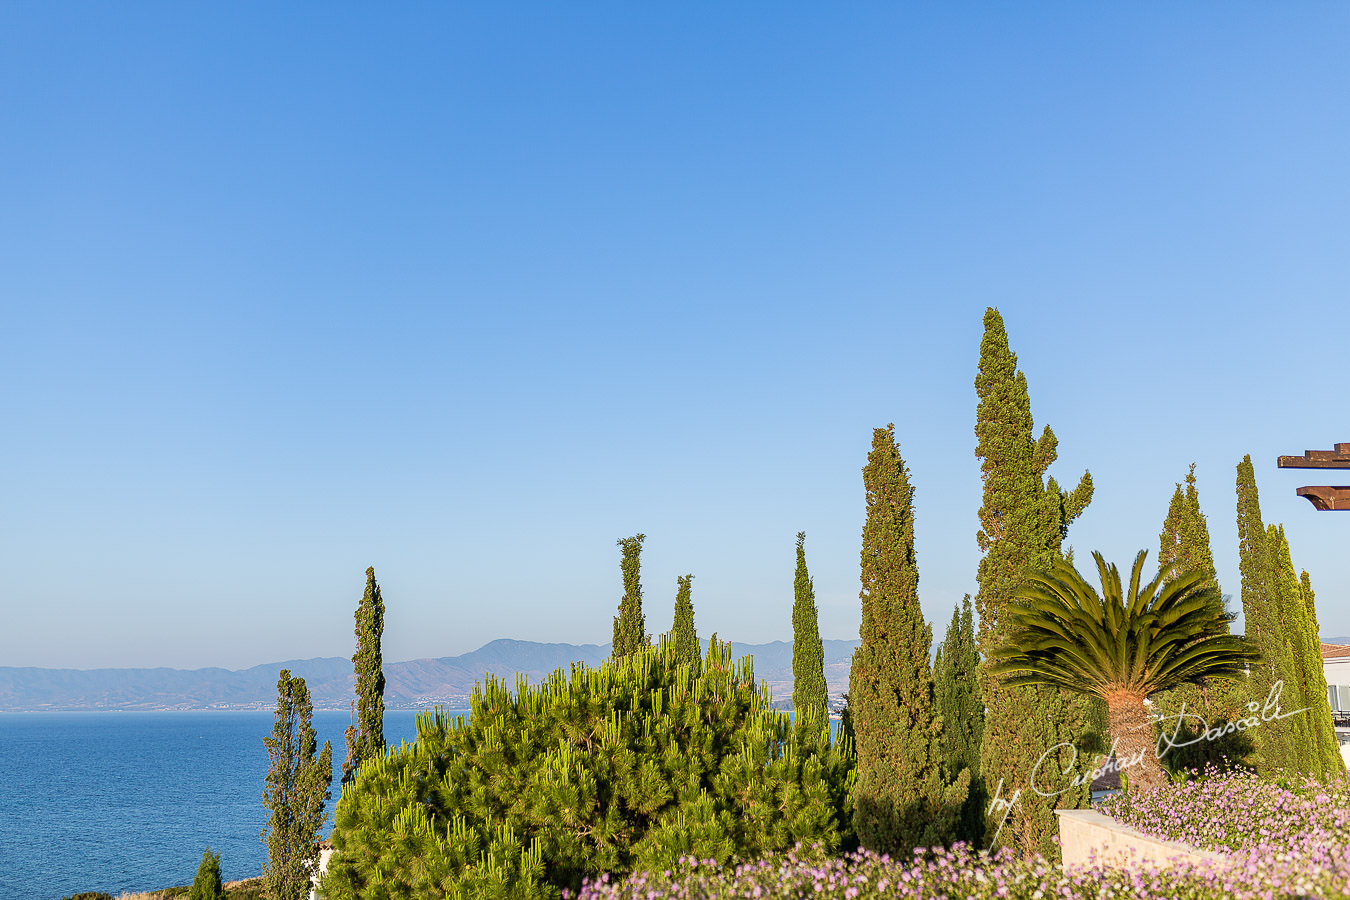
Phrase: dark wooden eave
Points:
(1319, 459)
(1327, 498)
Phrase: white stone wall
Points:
(1086, 837)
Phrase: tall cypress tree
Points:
(1288, 609)
(1324, 732)
(957, 697)
(297, 788)
(683, 636)
(1319, 753)
(1279, 741)
(809, 691)
(630, 626)
(902, 797)
(1023, 523)
(1184, 545)
(365, 738)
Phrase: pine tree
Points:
(630, 626)
(365, 738)
(810, 701)
(207, 884)
(902, 798)
(957, 697)
(684, 639)
(1324, 732)
(1184, 545)
(297, 788)
(591, 774)
(1023, 523)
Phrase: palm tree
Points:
(1121, 646)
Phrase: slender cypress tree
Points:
(809, 691)
(1023, 523)
(957, 696)
(1184, 545)
(365, 738)
(1319, 753)
(630, 626)
(1329, 751)
(1289, 611)
(902, 797)
(297, 788)
(1279, 741)
(683, 636)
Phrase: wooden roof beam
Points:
(1319, 459)
(1327, 498)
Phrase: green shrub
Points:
(91, 895)
(627, 767)
(207, 886)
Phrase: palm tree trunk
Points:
(1132, 733)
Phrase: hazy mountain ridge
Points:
(411, 684)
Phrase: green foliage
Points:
(1145, 638)
(903, 798)
(1123, 645)
(297, 788)
(684, 639)
(810, 700)
(1023, 522)
(956, 694)
(1187, 711)
(1291, 620)
(628, 766)
(207, 885)
(1278, 623)
(91, 895)
(1321, 756)
(365, 738)
(1315, 688)
(630, 626)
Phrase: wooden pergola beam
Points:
(1327, 498)
(1322, 497)
(1319, 459)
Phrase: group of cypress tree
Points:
(810, 701)
(1281, 619)
(934, 744)
(299, 779)
(1188, 711)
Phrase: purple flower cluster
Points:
(1293, 832)
(939, 874)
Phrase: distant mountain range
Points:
(409, 685)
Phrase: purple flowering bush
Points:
(1296, 831)
(945, 874)
(1284, 839)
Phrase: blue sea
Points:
(127, 801)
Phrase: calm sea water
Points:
(126, 802)
(122, 801)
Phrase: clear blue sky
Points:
(469, 292)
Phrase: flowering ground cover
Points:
(1294, 831)
(945, 875)
(1288, 839)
